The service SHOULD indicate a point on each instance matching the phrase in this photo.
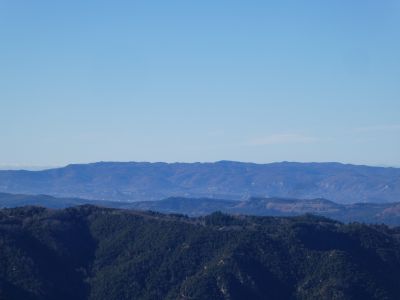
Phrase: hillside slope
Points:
(99, 253)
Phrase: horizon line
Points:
(23, 167)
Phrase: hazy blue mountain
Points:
(387, 213)
(97, 253)
(18, 200)
(225, 180)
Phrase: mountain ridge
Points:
(136, 181)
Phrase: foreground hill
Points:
(226, 180)
(98, 253)
(387, 213)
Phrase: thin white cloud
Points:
(283, 138)
(378, 128)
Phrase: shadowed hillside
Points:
(98, 253)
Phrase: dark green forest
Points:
(88, 252)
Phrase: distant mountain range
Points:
(134, 181)
(387, 213)
(92, 253)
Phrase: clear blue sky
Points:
(260, 81)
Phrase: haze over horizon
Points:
(42, 168)
(259, 81)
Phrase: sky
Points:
(257, 81)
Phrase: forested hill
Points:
(133, 181)
(98, 253)
(387, 213)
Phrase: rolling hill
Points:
(387, 213)
(98, 253)
(375, 213)
(133, 181)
